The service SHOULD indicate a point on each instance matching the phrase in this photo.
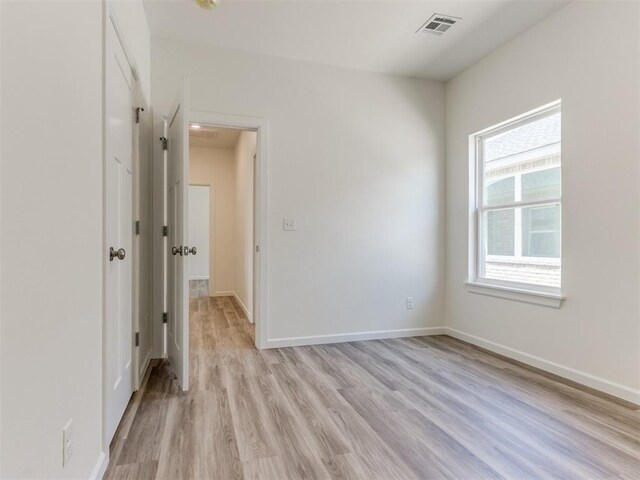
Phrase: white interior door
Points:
(178, 222)
(118, 232)
(199, 200)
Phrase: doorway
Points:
(221, 223)
(170, 250)
(199, 237)
(260, 247)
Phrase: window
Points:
(516, 241)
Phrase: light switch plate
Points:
(409, 303)
(289, 224)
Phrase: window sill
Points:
(518, 294)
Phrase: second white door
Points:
(177, 137)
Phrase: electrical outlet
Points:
(289, 224)
(67, 443)
(409, 303)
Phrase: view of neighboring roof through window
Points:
(519, 201)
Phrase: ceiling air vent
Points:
(438, 24)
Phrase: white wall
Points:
(199, 215)
(244, 164)
(216, 167)
(1, 289)
(51, 219)
(51, 228)
(595, 336)
(358, 160)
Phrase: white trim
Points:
(224, 294)
(534, 203)
(583, 378)
(353, 337)
(199, 277)
(261, 220)
(246, 311)
(537, 297)
(523, 118)
(146, 362)
(101, 466)
(545, 261)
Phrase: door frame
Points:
(260, 218)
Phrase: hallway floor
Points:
(430, 407)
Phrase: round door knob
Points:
(177, 250)
(193, 251)
(119, 254)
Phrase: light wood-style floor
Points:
(420, 408)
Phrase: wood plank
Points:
(426, 407)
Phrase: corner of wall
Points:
(445, 279)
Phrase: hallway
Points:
(430, 407)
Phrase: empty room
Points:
(320, 239)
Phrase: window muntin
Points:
(518, 202)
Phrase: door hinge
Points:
(165, 143)
(138, 110)
(165, 317)
(165, 230)
(137, 339)
(137, 227)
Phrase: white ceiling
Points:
(377, 36)
(213, 137)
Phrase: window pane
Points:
(500, 192)
(529, 136)
(541, 185)
(541, 231)
(500, 232)
(522, 164)
(521, 245)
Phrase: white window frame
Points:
(476, 282)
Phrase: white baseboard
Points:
(244, 308)
(101, 466)
(145, 366)
(598, 383)
(353, 337)
(196, 277)
(224, 294)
